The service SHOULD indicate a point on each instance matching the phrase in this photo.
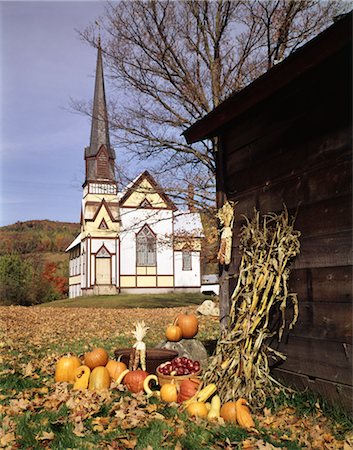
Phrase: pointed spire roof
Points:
(99, 127)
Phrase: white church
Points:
(135, 240)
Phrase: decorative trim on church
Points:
(103, 225)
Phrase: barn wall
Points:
(295, 149)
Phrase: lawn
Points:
(36, 412)
(171, 300)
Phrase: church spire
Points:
(99, 141)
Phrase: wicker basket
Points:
(163, 379)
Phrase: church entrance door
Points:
(103, 271)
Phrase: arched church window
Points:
(146, 247)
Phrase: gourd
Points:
(65, 368)
(244, 418)
(146, 385)
(99, 379)
(169, 392)
(173, 333)
(134, 380)
(188, 389)
(121, 377)
(97, 357)
(197, 409)
(214, 412)
(228, 412)
(115, 368)
(82, 375)
(188, 324)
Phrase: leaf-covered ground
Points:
(36, 412)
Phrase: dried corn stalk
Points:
(240, 365)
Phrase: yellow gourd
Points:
(121, 376)
(146, 385)
(214, 412)
(244, 418)
(82, 375)
(99, 379)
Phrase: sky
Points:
(44, 64)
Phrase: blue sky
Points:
(43, 63)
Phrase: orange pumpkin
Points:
(173, 333)
(169, 392)
(134, 380)
(197, 409)
(188, 389)
(188, 324)
(115, 368)
(97, 357)
(228, 412)
(99, 379)
(65, 368)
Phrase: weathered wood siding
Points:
(295, 149)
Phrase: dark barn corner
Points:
(286, 139)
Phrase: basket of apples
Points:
(177, 370)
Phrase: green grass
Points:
(172, 300)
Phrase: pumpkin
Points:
(188, 389)
(169, 392)
(65, 368)
(99, 379)
(173, 333)
(134, 380)
(188, 324)
(115, 368)
(197, 409)
(228, 412)
(82, 375)
(97, 357)
(244, 418)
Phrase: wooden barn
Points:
(286, 139)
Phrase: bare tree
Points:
(173, 61)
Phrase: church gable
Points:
(146, 193)
(102, 220)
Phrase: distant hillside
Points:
(37, 236)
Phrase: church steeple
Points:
(99, 155)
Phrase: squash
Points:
(188, 324)
(146, 385)
(99, 379)
(115, 368)
(197, 409)
(214, 412)
(120, 378)
(65, 368)
(228, 412)
(134, 380)
(244, 418)
(188, 389)
(97, 357)
(173, 333)
(169, 392)
(82, 375)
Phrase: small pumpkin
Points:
(169, 392)
(115, 368)
(65, 368)
(82, 375)
(188, 389)
(173, 333)
(244, 418)
(228, 412)
(188, 324)
(134, 380)
(99, 379)
(197, 409)
(97, 357)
